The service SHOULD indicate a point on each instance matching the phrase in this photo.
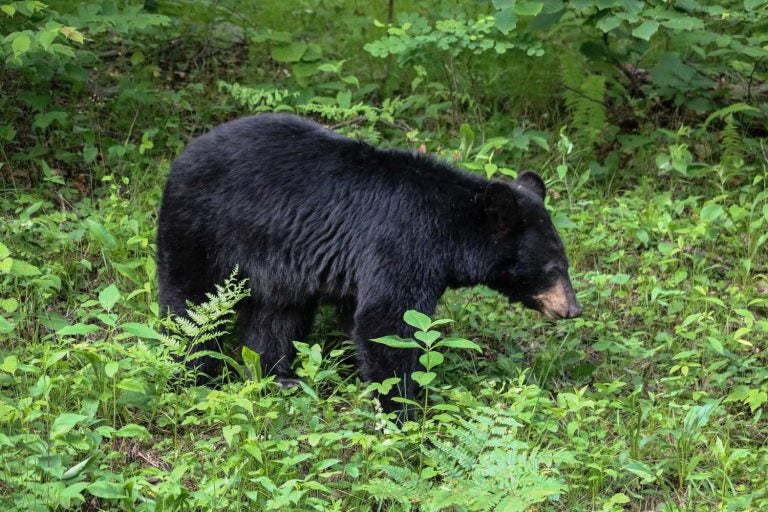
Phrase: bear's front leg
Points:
(379, 362)
(271, 329)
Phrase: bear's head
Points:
(531, 266)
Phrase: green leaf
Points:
(711, 212)
(751, 5)
(642, 470)
(716, 345)
(252, 362)
(431, 359)
(229, 432)
(428, 337)
(77, 329)
(562, 221)
(506, 20)
(666, 248)
(71, 495)
(101, 234)
(109, 319)
(110, 369)
(467, 139)
(305, 69)
(620, 279)
(51, 320)
(619, 498)
(9, 305)
(646, 29)
(352, 470)
(7, 133)
(683, 22)
(22, 269)
(141, 331)
(385, 386)
(42, 387)
(46, 37)
(10, 364)
(291, 52)
(396, 342)
(90, 153)
(45, 119)
(698, 416)
(134, 431)
(416, 319)
(6, 327)
(738, 394)
(106, 490)
(458, 343)
(608, 23)
(344, 99)
(72, 34)
(20, 44)
(76, 469)
(756, 399)
(64, 423)
(314, 52)
(423, 379)
(132, 385)
(528, 8)
(109, 296)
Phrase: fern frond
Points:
(206, 321)
(584, 97)
(258, 99)
(733, 155)
(726, 112)
(480, 465)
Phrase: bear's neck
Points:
(472, 257)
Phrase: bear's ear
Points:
(532, 182)
(500, 203)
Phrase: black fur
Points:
(310, 215)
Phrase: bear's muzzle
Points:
(559, 301)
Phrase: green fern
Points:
(206, 321)
(354, 120)
(400, 486)
(584, 98)
(732, 144)
(725, 112)
(479, 465)
(486, 468)
(259, 99)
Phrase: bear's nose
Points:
(574, 309)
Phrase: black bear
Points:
(309, 215)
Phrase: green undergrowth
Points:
(654, 399)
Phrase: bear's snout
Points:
(559, 301)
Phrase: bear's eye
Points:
(552, 273)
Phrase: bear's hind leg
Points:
(271, 331)
(188, 279)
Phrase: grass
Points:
(654, 398)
